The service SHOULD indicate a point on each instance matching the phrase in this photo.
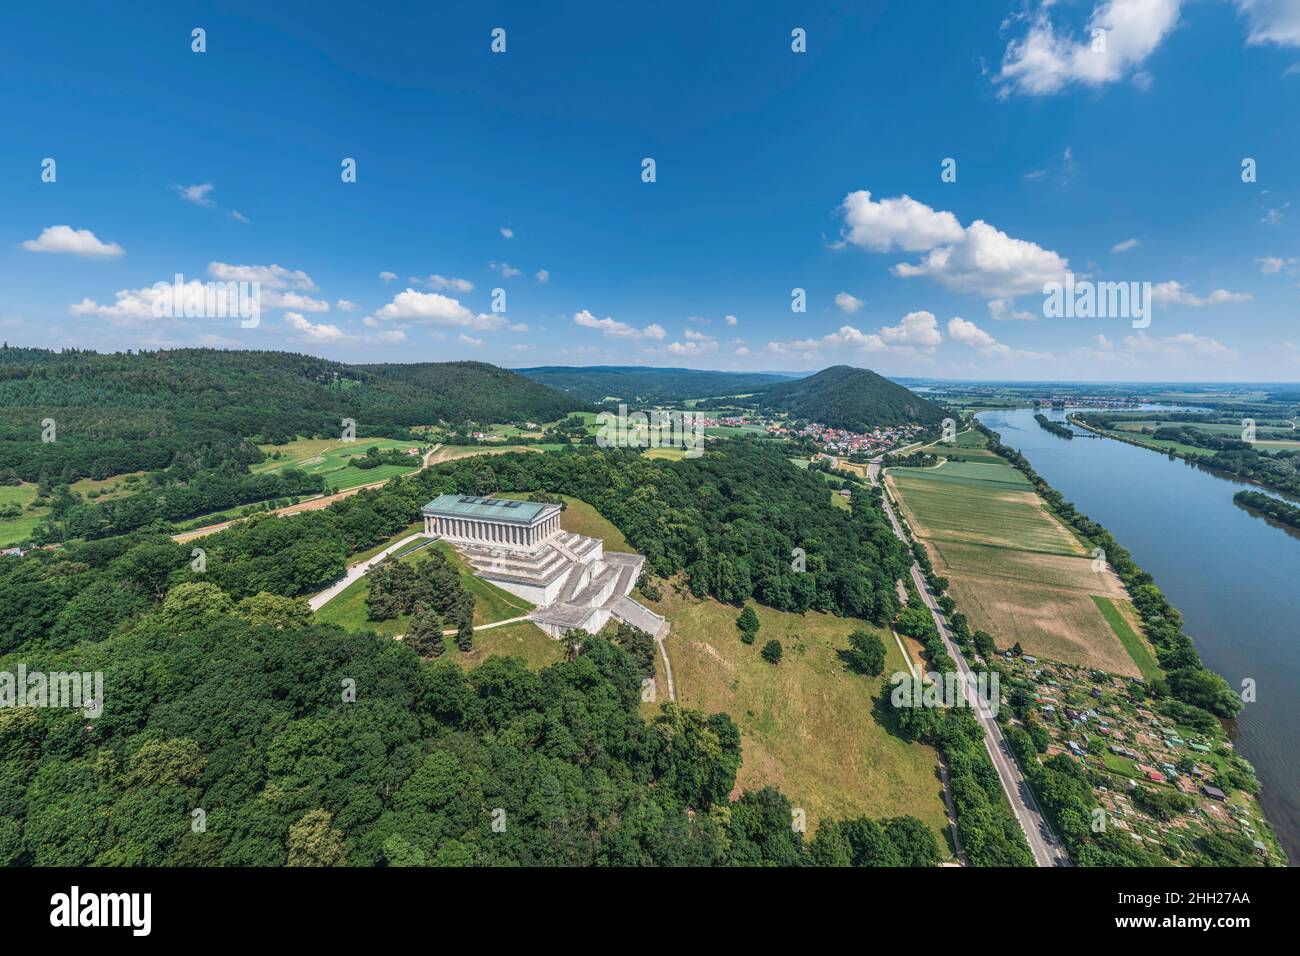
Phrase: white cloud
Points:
(619, 330)
(696, 344)
(519, 327)
(543, 276)
(345, 305)
(1044, 61)
(507, 232)
(387, 276)
(1270, 265)
(1125, 246)
(1271, 21)
(1184, 343)
(65, 240)
(274, 299)
(313, 332)
(198, 194)
(1173, 293)
(436, 309)
(506, 269)
(847, 303)
(989, 262)
(270, 277)
(1004, 311)
(238, 216)
(443, 282)
(730, 319)
(901, 223)
(969, 334)
(390, 335)
(464, 339)
(916, 330)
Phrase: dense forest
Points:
(235, 731)
(124, 412)
(853, 398)
(634, 383)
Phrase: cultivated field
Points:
(332, 458)
(1015, 570)
(954, 506)
(808, 725)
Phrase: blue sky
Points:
(775, 170)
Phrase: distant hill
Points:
(853, 398)
(635, 383)
(126, 411)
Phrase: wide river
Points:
(1232, 575)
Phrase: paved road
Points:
(1043, 843)
(357, 572)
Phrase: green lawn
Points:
(15, 530)
(491, 603)
(1132, 641)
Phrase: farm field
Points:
(979, 513)
(1015, 570)
(668, 454)
(19, 529)
(331, 458)
(492, 604)
(456, 452)
(969, 445)
(808, 724)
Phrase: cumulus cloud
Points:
(730, 319)
(619, 330)
(345, 305)
(1045, 61)
(275, 299)
(847, 303)
(901, 223)
(444, 282)
(916, 332)
(990, 263)
(543, 276)
(1125, 246)
(65, 240)
(506, 269)
(1173, 293)
(978, 258)
(464, 339)
(507, 232)
(1005, 311)
(436, 309)
(1271, 21)
(387, 276)
(270, 277)
(971, 335)
(314, 332)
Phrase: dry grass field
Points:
(808, 724)
(1014, 569)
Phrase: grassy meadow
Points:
(332, 458)
(808, 724)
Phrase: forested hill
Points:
(632, 383)
(135, 410)
(853, 398)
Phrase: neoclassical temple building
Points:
(465, 519)
(520, 547)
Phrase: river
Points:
(1232, 575)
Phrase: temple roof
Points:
(492, 509)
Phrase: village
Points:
(1163, 784)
